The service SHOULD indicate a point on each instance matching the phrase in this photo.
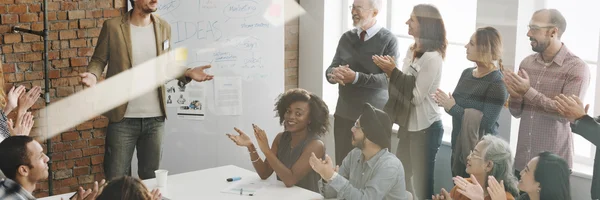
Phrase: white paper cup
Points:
(161, 177)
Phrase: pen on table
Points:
(237, 178)
(242, 190)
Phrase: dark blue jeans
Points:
(144, 134)
(417, 151)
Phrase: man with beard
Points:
(125, 42)
(360, 80)
(370, 171)
(551, 71)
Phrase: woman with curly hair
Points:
(305, 118)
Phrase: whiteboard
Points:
(236, 38)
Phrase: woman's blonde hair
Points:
(2, 93)
(489, 46)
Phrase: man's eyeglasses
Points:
(358, 8)
(536, 27)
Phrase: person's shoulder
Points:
(386, 32)
(315, 143)
(355, 153)
(574, 61)
(115, 20)
(432, 56)
(529, 59)
(390, 159)
(350, 32)
(496, 76)
(468, 70)
(161, 20)
(280, 135)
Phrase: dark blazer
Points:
(589, 129)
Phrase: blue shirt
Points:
(381, 177)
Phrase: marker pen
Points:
(237, 178)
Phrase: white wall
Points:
(317, 49)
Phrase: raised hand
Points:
(12, 99)
(241, 139)
(198, 73)
(323, 167)
(385, 63)
(496, 190)
(473, 191)
(261, 139)
(156, 195)
(26, 100)
(570, 107)
(444, 100)
(443, 195)
(23, 125)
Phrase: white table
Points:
(208, 183)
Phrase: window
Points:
(582, 38)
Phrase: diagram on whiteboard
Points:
(188, 99)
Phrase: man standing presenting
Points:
(553, 70)
(124, 43)
(360, 80)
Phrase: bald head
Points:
(551, 17)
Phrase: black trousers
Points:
(343, 137)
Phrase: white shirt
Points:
(143, 46)
(370, 33)
(428, 73)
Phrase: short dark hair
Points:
(319, 112)
(553, 173)
(125, 187)
(432, 34)
(556, 19)
(13, 154)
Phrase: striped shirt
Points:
(4, 132)
(542, 128)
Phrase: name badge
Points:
(166, 45)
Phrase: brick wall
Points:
(74, 28)
(291, 53)
(74, 25)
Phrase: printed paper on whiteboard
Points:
(173, 92)
(191, 102)
(228, 95)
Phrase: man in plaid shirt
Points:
(551, 71)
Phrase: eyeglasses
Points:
(358, 8)
(473, 156)
(536, 27)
